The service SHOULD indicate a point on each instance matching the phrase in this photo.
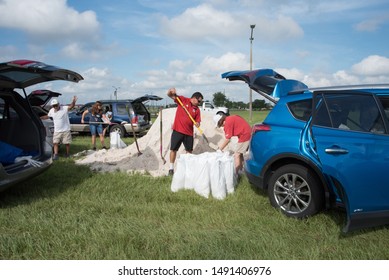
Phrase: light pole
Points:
(115, 93)
(252, 26)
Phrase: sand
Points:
(150, 161)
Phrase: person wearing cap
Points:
(62, 134)
(183, 125)
(235, 125)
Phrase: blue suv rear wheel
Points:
(296, 190)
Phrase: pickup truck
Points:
(208, 107)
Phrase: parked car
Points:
(121, 112)
(321, 148)
(20, 126)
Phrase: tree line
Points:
(220, 100)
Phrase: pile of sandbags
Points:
(209, 173)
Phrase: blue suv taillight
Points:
(260, 127)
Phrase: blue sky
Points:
(147, 46)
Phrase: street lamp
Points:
(115, 93)
(252, 26)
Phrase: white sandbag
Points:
(206, 173)
(178, 181)
(218, 183)
(120, 143)
(229, 172)
(202, 184)
(114, 139)
(190, 171)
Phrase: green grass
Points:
(70, 212)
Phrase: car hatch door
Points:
(147, 97)
(355, 160)
(24, 73)
(266, 82)
(41, 97)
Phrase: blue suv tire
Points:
(296, 191)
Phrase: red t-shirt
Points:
(237, 126)
(182, 122)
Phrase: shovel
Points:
(191, 118)
(133, 132)
(160, 135)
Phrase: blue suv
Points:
(321, 148)
(121, 112)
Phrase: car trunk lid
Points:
(24, 73)
(266, 82)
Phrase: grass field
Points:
(70, 212)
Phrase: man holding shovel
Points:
(187, 111)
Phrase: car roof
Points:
(23, 73)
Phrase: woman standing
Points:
(95, 123)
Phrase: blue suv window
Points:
(356, 113)
(385, 104)
(301, 109)
(121, 109)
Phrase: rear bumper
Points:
(255, 180)
(358, 221)
(137, 128)
(16, 173)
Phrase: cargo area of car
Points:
(141, 112)
(17, 128)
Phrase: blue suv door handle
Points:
(336, 150)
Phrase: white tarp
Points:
(209, 173)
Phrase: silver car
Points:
(25, 144)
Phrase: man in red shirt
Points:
(235, 126)
(183, 125)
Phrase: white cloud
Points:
(368, 25)
(179, 64)
(205, 21)
(223, 63)
(373, 65)
(198, 22)
(45, 18)
(281, 29)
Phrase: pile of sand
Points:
(150, 161)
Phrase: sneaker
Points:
(171, 172)
(94, 148)
(55, 157)
(104, 147)
(67, 156)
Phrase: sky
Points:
(139, 47)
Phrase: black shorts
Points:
(179, 138)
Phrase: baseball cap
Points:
(54, 102)
(216, 119)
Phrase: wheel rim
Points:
(292, 193)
